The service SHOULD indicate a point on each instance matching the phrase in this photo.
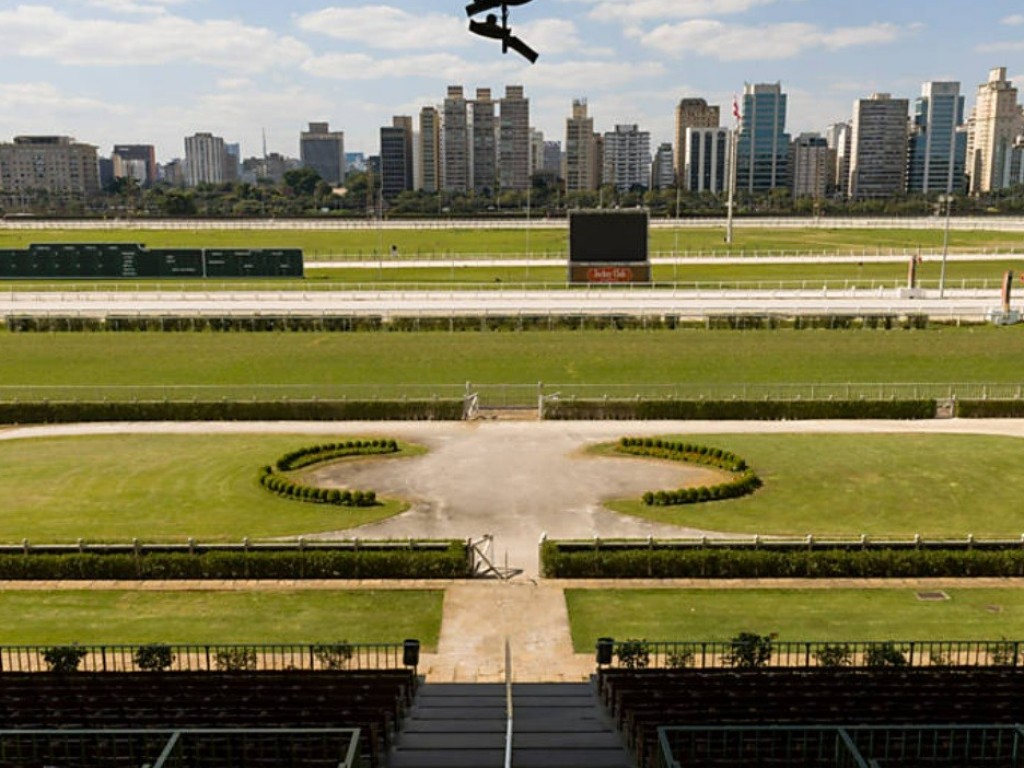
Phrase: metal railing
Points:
(855, 746)
(764, 652)
(512, 394)
(214, 657)
(194, 747)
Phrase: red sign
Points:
(610, 275)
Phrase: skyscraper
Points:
(762, 154)
(57, 164)
(536, 151)
(323, 150)
(430, 150)
(627, 158)
(514, 145)
(692, 113)
(455, 142)
(810, 159)
(878, 161)
(580, 149)
(396, 157)
(136, 161)
(206, 160)
(839, 138)
(663, 172)
(994, 126)
(485, 144)
(706, 161)
(938, 143)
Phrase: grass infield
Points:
(116, 617)
(160, 488)
(795, 615)
(322, 361)
(935, 485)
(410, 243)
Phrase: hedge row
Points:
(745, 484)
(723, 562)
(396, 563)
(737, 410)
(318, 454)
(990, 409)
(307, 410)
(289, 489)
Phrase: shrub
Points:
(154, 658)
(884, 655)
(333, 655)
(679, 659)
(1004, 654)
(633, 654)
(834, 656)
(749, 650)
(737, 410)
(64, 658)
(236, 659)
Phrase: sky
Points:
(154, 71)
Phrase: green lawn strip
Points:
(115, 617)
(160, 488)
(321, 361)
(369, 243)
(935, 485)
(794, 615)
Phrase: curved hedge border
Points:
(318, 454)
(745, 484)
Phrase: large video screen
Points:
(608, 236)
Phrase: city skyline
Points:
(154, 71)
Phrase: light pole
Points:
(945, 244)
(733, 153)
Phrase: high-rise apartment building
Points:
(536, 151)
(56, 164)
(692, 113)
(663, 172)
(627, 158)
(430, 150)
(938, 140)
(323, 150)
(878, 161)
(135, 161)
(706, 160)
(553, 158)
(396, 157)
(810, 161)
(762, 153)
(580, 150)
(994, 128)
(485, 143)
(206, 160)
(455, 146)
(514, 148)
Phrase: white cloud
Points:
(1015, 20)
(38, 31)
(438, 66)
(726, 42)
(388, 27)
(46, 96)
(626, 10)
(549, 36)
(135, 6)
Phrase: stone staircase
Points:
(556, 725)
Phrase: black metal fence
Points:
(753, 651)
(333, 655)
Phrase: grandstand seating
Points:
(643, 700)
(372, 701)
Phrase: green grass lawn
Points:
(795, 615)
(410, 243)
(158, 487)
(322, 361)
(115, 617)
(935, 485)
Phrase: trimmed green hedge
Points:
(364, 563)
(318, 454)
(737, 410)
(990, 409)
(724, 562)
(307, 410)
(745, 483)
